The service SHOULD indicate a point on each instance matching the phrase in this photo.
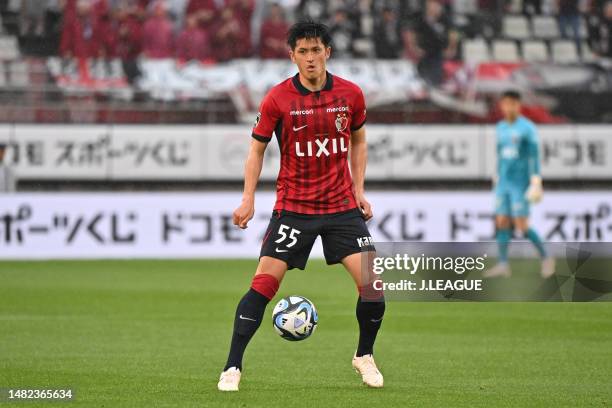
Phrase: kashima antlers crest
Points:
(341, 122)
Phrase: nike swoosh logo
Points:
(300, 128)
(282, 250)
(247, 318)
(376, 320)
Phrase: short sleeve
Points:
(267, 118)
(359, 112)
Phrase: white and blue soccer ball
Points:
(294, 318)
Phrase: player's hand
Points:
(364, 206)
(534, 192)
(243, 214)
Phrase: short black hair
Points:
(512, 94)
(308, 29)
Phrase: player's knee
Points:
(502, 222)
(370, 294)
(265, 284)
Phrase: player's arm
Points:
(266, 121)
(359, 153)
(534, 192)
(252, 170)
(359, 159)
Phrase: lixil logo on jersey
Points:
(324, 147)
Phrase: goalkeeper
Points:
(517, 184)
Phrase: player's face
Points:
(310, 55)
(510, 108)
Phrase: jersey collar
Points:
(329, 83)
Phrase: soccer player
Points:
(317, 118)
(517, 183)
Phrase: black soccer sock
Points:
(249, 314)
(369, 316)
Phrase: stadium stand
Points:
(104, 51)
(124, 28)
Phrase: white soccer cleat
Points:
(229, 380)
(370, 375)
(499, 270)
(548, 267)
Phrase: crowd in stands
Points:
(426, 31)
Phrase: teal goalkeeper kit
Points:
(517, 161)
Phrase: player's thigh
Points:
(519, 204)
(345, 234)
(272, 266)
(359, 266)
(289, 238)
(502, 209)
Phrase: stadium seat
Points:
(564, 52)
(587, 54)
(545, 27)
(475, 51)
(505, 51)
(516, 27)
(19, 74)
(467, 7)
(9, 48)
(535, 51)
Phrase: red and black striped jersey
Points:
(313, 130)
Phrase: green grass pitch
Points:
(156, 334)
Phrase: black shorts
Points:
(290, 236)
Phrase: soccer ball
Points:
(294, 318)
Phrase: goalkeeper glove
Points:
(534, 192)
